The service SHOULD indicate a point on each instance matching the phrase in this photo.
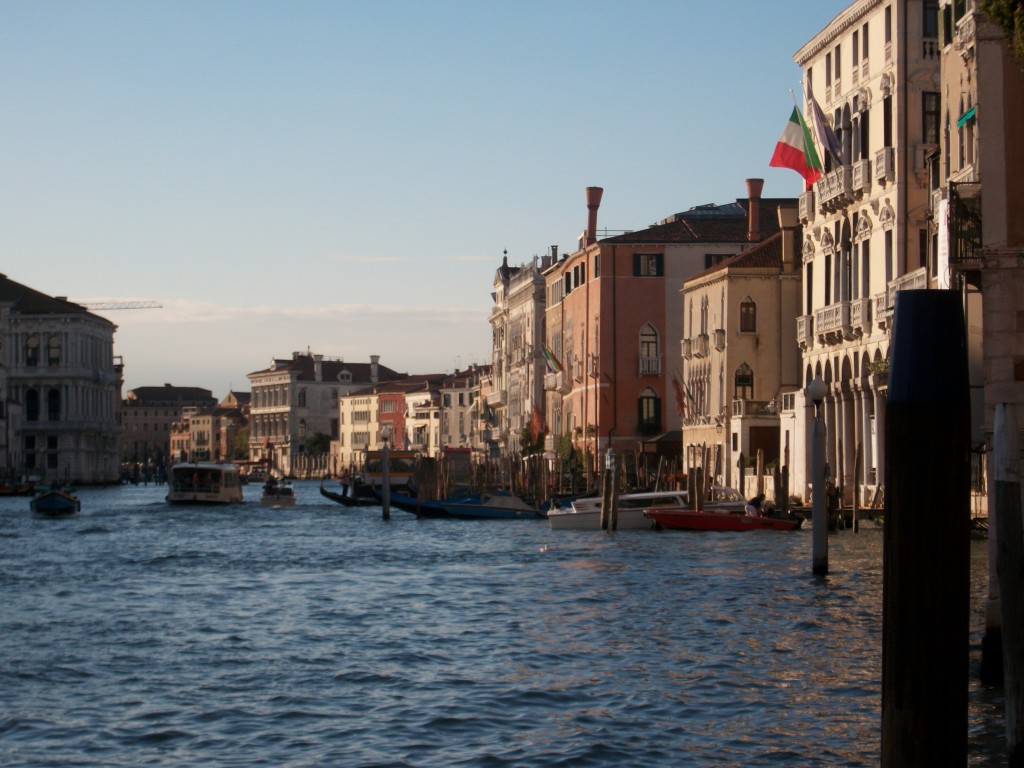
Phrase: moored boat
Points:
(204, 482)
(679, 518)
(585, 513)
(492, 507)
(55, 503)
(352, 495)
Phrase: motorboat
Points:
(492, 507)
(204, 482)
(585, 513)
(277, 493)
(681, 518)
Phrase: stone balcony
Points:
(835, 190)
(805, 332)
(860, 317)
(806, 207)
(649, 366)
(687, 348)
(701, 345)
(885, 165)
(832, 323)
(861, 177)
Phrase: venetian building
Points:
(615, 318)
(740, 365)
(517, 360)
(874, 73)
(978, 206)
(60, 407)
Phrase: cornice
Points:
(835, 28)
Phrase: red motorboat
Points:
(680, 518)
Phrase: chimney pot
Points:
(593, 203)
(754, 187)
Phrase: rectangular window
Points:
(930, 117)
(889, 266)
(836, 60)
(864, 41)
(946, 26)
(597, 265)
(855, 48)
(714, 259)
(931, 19)
(748, 317)
(888, 24)
(828, 69)
(809, 82)
(648, 264)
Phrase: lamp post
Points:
(816, 392)
(385, 433)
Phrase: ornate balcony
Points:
(883, 310)
(806, 206)
(860, 317)
(835, 191)
(718, 338)
(861, 177)
(912, 281)
(832, 323)
(701, 345)
(687, 348)
(805, 332)
(885, 165)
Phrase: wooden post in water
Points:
(926, 552)
(606, 498)
(857, 461)
(613, 493)
(1009, 533)
(386, 476)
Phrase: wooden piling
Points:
(1009, 532)
(926, 554)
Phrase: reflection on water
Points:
(140, 633)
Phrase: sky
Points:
(345, 177)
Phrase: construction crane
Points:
(120, 304)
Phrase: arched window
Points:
(748, 316)
(744, 383)
(32, 405)
(649, 412)
(53, 351)
(302, 427)
(650, 356)
(32, 351)
(53, 405)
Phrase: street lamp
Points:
(816, 391)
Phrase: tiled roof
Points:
(304, 366)
(168, 393)
(764, 255)
(709, 224)
(28, 301)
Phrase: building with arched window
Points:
(60, 389)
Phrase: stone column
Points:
(879, 397)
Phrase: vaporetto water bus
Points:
(204, 482)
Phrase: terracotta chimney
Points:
(754, 187)
(593, 203)
(788, 223)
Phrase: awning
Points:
(968, 115)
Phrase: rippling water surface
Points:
(144, 634)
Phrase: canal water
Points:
(143, 634)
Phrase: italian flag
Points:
(795, 150)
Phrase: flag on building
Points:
(551, 361)
(826, 136)
(796, 151)
(677, 388)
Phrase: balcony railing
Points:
(860, 317)
(806, 206)
(883, 310)
(687, 348)
(862, 177)
(832, 323)
(805, 332)
(835, 191)
(650, 366)
(885, 165)
(718, 338)
(742, 408)
(701, 345)
(912, 281)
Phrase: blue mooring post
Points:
(926, 550)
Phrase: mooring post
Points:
(386, 473)
(606, 496)
(819, 514)
(1009, 532)
(926, 550)
(613, 489)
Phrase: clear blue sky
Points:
(344, 176)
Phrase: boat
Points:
(492, 507)
(55, 503)
(23, 488)
(682, 518)
(409, 502)
(277, 493)
(204, 482)
(352, 495)
(584, 514)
